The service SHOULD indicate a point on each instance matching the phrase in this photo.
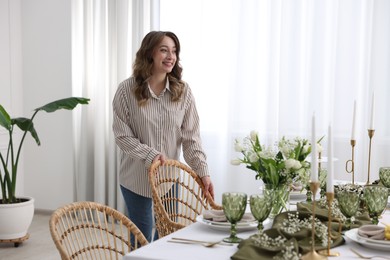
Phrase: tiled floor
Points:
(38, 247)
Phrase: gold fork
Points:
(368, 257)
(208, 244)
(204, 243)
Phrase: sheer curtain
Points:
(268, 65)
(264, 65)
(105, 37)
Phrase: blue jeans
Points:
(140, 211)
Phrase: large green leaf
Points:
(25, 124)
(5, 119)
(66, 103)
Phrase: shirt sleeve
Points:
(192, 145)
(124, 136)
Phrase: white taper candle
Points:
(329, 177)
(372, 113)
(314, 155)
(353, 135)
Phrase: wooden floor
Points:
(39, 246)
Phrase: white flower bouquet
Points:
(283, 165)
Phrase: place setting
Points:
(218, 220)
(233, 218)
(237, 216)
(297, 192)
(375, 235)
(371, 236)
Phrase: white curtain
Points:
(268, 65)
(264, 65)
(105, 37)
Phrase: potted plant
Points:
(9, 160)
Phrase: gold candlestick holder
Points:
(327, 252)
(370, 135)
(313, 255)
(351, 162)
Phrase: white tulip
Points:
(285, 150)
(297, 165)
(235, 162)
(293, 164)
(253, 157)
(253, 135)
(305, 148)
(238, 146)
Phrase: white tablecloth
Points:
(163, 250)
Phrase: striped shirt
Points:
(161, 126)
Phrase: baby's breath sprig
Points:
(293, 224)
(262, 239)
(288, 253)
(349, 187)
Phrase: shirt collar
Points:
(162, 92)
(167, 85)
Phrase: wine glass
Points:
(384, 176)
(375, 197)
(234, 205)
(349, 204)
(261, 206)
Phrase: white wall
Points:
(46, 48)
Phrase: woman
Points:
(154, 117)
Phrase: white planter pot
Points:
(15, 219)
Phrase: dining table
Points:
(165, 249)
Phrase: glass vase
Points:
(280, 198)
(309, 194)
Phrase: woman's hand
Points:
(208, 185)
(159, 157)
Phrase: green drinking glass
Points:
(375, 198)
(349, 204)
(384, 176)
(261, 206)
(234, 205)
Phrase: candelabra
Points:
(370, 135)
(351, 162)
(327, 252)
(313, 255)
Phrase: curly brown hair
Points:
(143, 64)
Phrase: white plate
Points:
(245, 221)
(297, 195)
(380, 245)
(370, 240)
(225, 226)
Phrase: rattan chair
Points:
(89, 230)
(177, 193)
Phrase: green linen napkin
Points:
(251, 249)
(300, 241)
